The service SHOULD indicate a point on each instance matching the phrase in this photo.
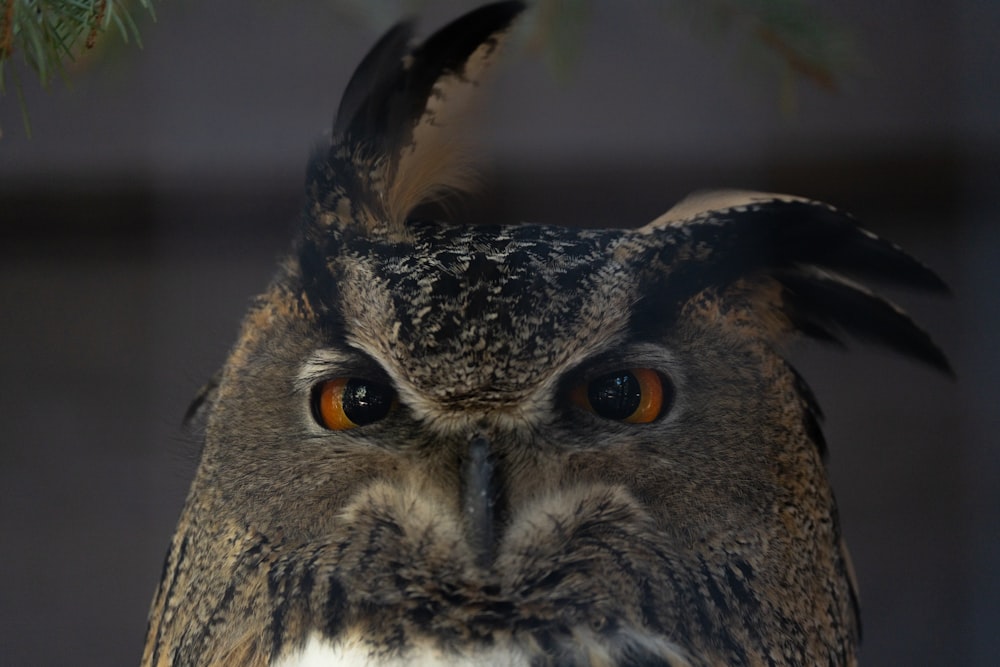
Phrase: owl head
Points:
(448, 443)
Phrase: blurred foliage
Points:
(793, 36)
(50, 36)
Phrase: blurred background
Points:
(161, 185)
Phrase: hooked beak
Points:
(478, 499)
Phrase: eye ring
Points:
(631, 395)
(346, 402)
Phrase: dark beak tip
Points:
(478, 488)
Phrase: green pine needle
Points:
(49, 35)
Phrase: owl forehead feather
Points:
(499, 307)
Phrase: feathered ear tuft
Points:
(796, 253)
(395, 142)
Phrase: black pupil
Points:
(366, 402)
(615, 396)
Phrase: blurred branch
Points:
(798, 36)
(50, 35)
(808, 44)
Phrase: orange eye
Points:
(634, 395)
(344, 403)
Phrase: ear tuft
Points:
(818, 303)
(720, 239)
(396, 137)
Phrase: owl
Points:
(437, 443)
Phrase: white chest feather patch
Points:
(353, 652)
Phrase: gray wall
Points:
(157, 191)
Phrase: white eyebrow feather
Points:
(320, 364)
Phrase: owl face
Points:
(521, 444)
(538, 339)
